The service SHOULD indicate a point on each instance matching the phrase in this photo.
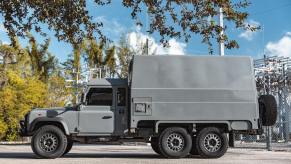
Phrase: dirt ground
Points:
(112, 154)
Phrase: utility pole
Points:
(221, 44)
(147, 28)
(147, 47)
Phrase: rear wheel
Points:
(49, 142)
(175, 142)
(211, 143)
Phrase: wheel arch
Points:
(41, 121)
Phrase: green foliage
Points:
(93, 52)
(18, 97)
(100, 55)
(124, 54)
(57, 92)
(111, 58)
(69, 19)
(35, 80)
(182, 18)
(170, 18)
(42, 62)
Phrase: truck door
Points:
(97, 115)
(121, 111)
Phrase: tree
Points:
(101, 56)
(68, 67)
(93, 52)
(110, 60)
(58, 94)
(170, 18)
(18, 97)
(124, 54)
(69, 19)
(182, 18)
(77, 60)
(43, 62)
(22, 87)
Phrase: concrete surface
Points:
(107, 154)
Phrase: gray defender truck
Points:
(182, 105)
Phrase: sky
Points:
(274, 38)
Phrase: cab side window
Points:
(99, 97)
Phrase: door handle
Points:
(106, 117)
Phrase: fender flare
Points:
(47, 119)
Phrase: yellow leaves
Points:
(58, 93)
(14, 79)
(34, 81)
(7, 97)
(3, 129)
(35, 92)
(17, 97)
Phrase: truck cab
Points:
(104, 108)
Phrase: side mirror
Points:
(69, 104)
(79, 106)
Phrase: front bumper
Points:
(23, 127)
(23, 130)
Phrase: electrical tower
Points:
(273, 76)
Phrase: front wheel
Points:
(69, 146)
(49, 142)
(175, 142)
(211, 143)
(155, 145)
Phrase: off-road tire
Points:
(155, 145)
(204, 148)
(43, 134)
(175, 142)
(268, 110)
(69, 146)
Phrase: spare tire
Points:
(268, 110)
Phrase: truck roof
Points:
(107, 82)
(182, 71)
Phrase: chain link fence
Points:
(273, 78)
(276, 137)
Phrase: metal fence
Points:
(272, 77)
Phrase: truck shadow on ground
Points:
(24, 155)
(117, 155)
(111, 155)
(17, 155)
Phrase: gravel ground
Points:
(112, 154)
